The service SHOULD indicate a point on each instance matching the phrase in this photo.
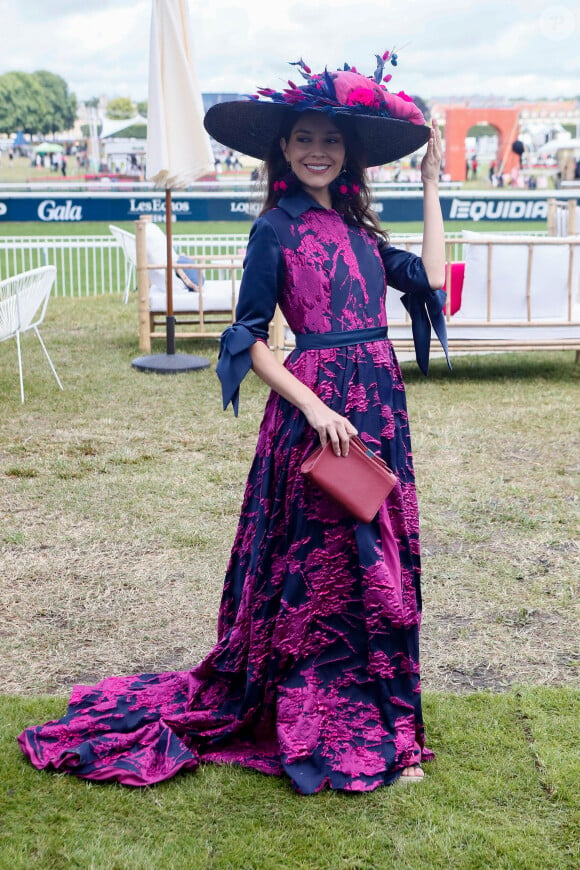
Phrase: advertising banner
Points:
(391, 207)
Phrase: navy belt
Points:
(321, 340)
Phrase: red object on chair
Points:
(455, 290)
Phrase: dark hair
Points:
(355, 209)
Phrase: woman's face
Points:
(316, 152)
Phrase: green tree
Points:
(142, 108)
(62, 106)
(23, 104)
(86, 130)
(120, 108)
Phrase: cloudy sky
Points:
(526, 48)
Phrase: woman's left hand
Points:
(431, 163)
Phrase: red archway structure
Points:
(458, 122)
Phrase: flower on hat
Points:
(362, 97)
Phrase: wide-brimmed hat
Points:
(388, 125)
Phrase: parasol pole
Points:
(170, 362)
(170, 318)
(177, 148)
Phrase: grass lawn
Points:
(501, 794)
(101, 228)
(119, 499)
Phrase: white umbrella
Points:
(178, 148)
(49, 148)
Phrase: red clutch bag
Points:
(360, 482)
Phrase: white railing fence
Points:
(95, 265)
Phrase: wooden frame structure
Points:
(204, 314)
(490, 333)
(563, 217)
(197, 317)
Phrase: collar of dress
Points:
(297, 203)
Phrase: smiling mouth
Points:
(317, 167)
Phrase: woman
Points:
(315, 673)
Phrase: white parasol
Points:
(178, 147)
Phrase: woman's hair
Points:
(356, 209)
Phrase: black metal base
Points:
(170, 363)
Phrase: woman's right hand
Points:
(330, 427)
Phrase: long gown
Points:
(315, 673)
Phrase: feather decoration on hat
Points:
(345, 88)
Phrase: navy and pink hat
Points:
(388, 125)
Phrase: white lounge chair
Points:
(127, 243)
(203, 313)
(23, 302)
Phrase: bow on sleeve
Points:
(405, 272)
(234, 362)
(256, 305)
(426, 311)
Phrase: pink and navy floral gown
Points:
(315, 673)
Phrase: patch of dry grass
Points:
(498, 469)
(119, 500)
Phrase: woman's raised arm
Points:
(433, 251)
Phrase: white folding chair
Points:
(23, 302)
(128, 244)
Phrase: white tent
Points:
(112, 128)
(551, 148)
